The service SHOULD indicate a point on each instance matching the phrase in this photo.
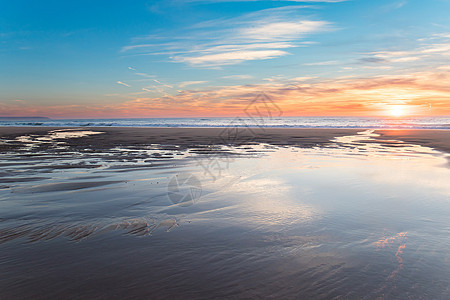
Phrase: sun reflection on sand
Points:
(55, 137)
(400, 240)
(389, 240)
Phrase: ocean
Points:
(289, 122)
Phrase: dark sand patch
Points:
(64, 186)
(185, 138)
(170, 139)
(437, 139)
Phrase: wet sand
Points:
(186, 138)
(437, 139)
(184, 213)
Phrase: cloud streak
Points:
(261, 35)
(188, 83)
(228, 58)
(436, 47)
(282, 30)
(123, 83)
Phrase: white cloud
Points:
(424, 51)
(166, 85)
(122, 83)
(405, 59)
(132, 47)
(437, 48)
(233, 57)
(390, 54)
(259, 35)
(145, 75)
(377, 67)
(305, 78)
(188, 83)
(383, 57)
(283, 30)
(237, 77)
(244, 46)
(442, 35)
(246, 43)
(323, 63)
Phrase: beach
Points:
(228, 149)
(114, 212)
(192, 137)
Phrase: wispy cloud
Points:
(145, 75)
(237, 77)
(304, 78)
(163, 84)
(260, 35)
(133, 47)
(393, 6)
(227, 58)
(391, 56)
(123, 83)
(282, 30)
(430, 49)
(188, 83)
(323, 63)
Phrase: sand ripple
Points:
(77, 232)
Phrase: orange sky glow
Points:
(417, 94)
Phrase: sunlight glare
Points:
(397, 111)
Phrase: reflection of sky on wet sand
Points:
(32, 141)
(358, 219)
(342, 201)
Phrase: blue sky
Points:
(187, 58)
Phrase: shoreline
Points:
(193, 137)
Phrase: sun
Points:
(397, 111)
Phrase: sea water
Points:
(292, 122)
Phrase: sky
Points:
(206, 58)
